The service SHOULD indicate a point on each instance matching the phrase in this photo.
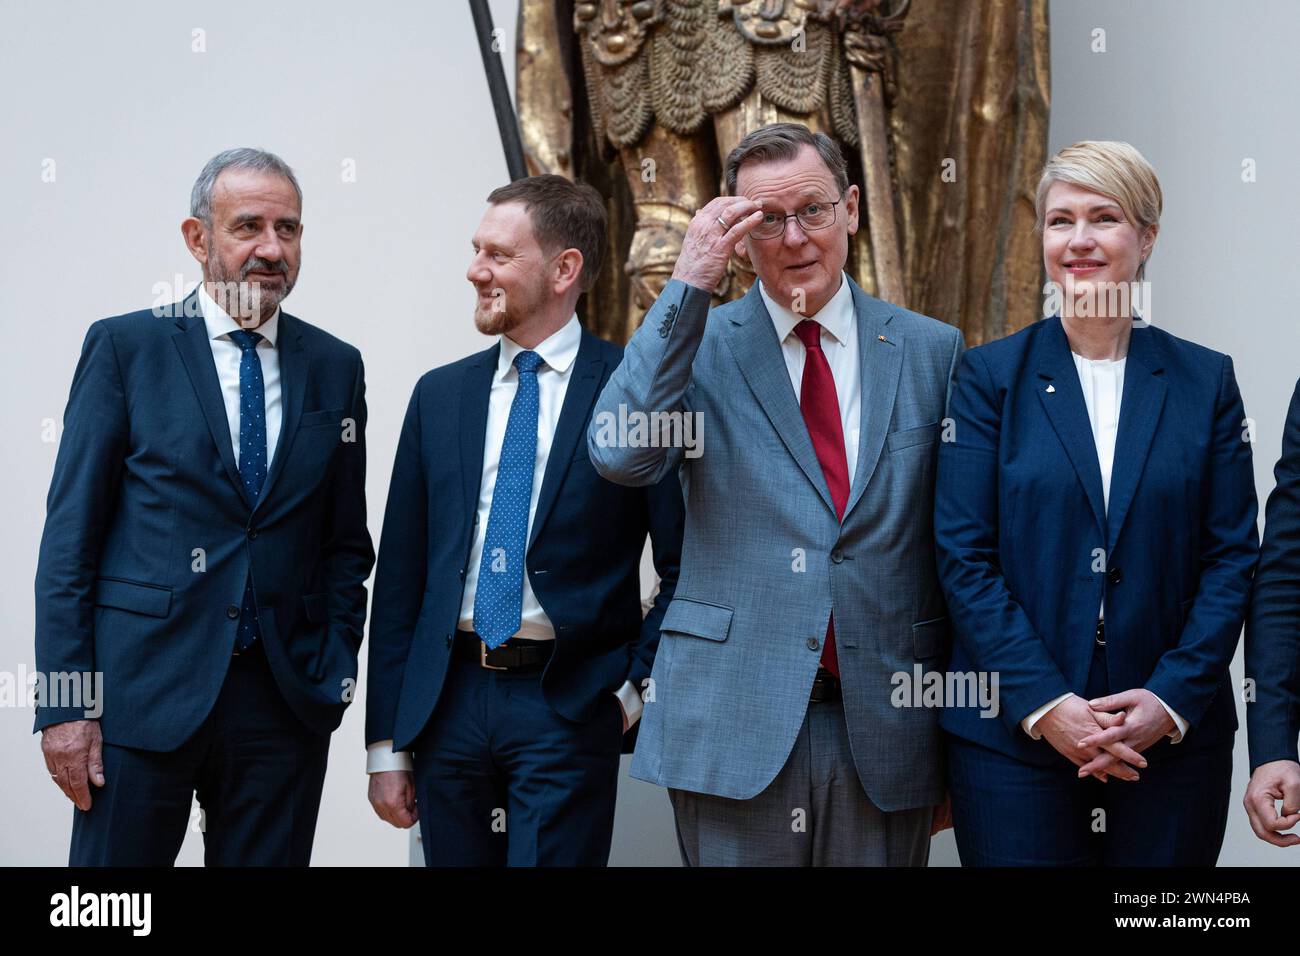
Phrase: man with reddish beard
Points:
(808, 586)
(508, 647)
(206, 551)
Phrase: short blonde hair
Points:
(1112, 168)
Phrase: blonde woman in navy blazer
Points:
(1095, 519)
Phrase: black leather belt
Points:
(1101, 633)
(515, 654)
(826, 687)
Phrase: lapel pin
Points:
(1050, 389)
(882, 338)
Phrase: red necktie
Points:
(821, 413)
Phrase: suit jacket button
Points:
(837, 556)
(813, 644)
(252, 533)
(1115, 576)
(449, 640)
(232, 611)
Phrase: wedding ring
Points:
(723, 223)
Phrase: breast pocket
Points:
(325, 416)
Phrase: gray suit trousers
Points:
(814, 813)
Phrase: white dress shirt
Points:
(840, 346)
(559, 351)
(1102, 381)
(226, 353)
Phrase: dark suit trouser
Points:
(503, 780)
(257, 771)
(814, 813)
(1010, 813)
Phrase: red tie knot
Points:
(810, 333)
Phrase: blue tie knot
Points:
(245, 339)
(527, 362)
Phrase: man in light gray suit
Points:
(808, 587)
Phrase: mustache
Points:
(262, 265)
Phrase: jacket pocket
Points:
(316, 607)
(328, 416)
(698, 619)
(929, 638)
(151, 599)
(908, 437)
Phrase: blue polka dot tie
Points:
(252, 459)
(499, 597)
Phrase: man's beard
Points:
(502, 316)
(248, 302)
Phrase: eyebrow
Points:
(254, 217)
(1096, 208)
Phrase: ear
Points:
(851, 209)
(196, 239)
(1149, 240)
(568, 271)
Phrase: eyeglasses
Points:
(816, 215)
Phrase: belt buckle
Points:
(1098, 634)
(482, 658)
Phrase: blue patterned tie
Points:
(252, 459)
(498, 599)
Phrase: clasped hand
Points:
(1105, 737)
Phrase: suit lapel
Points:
(293, 386)
(474, 394)
(571, 428)
(1062, 399)
(880, 364)
(754, 345)
(196, 355)
(1140, 408)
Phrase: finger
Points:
(1113, 702)
(740, 229)
(1109, 763)
(1284, 822)
(1290, 795)
(77, 783)
(1127, 754)
(1105, 738)
(1107, 720)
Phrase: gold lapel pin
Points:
(882, 338)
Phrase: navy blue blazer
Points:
(1027, 549)
(1273, 627)
(149, 539)
(583, 559)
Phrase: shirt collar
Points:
(836, 316)
(558, 350)
(220, 323)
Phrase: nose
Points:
(794, 236)
(478, 271)
(270, 248)
(1081, 236)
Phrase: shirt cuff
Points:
(1175, 736)
(631, 701)
(380, 758)
(1027, 725)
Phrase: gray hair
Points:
(243, 157)
(778, 141)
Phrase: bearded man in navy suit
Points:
(205, 550)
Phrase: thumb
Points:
(95, 763)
